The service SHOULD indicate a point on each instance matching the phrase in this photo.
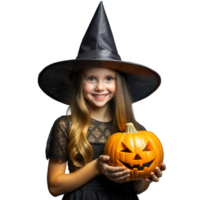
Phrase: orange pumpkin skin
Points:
(139, 152)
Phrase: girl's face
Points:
(99, 86)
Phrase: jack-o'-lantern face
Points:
(139, 152)
(140, 156)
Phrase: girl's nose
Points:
(100, 86)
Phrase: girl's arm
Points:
(140, 186)
(61, 183)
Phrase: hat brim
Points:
(54, 79)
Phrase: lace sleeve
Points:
(58, 139)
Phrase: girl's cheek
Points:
(113, 88)
(87, 88)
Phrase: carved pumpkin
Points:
(139, 151)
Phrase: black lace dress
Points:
(99, 188)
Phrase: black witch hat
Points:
(97, 49)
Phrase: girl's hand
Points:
(117, 174)
(154, 176)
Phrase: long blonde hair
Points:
(79, 149)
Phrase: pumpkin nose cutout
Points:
(137, 157)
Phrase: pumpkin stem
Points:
(130, 128)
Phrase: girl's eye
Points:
(90, 79)
(109, 78)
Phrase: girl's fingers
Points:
(119, 177)
(148, 180)
(163, 167)
(117, 174)
(158, 172)
(111, 169)
(154, 177)
(103, 158)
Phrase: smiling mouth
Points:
(137, 166)
(99, 95)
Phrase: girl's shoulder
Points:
(63, 119)
(63, 123)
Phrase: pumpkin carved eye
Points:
(148, 147)
(145, 149)
(126, 150)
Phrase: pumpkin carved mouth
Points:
(137, 166)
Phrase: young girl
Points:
(99, 89)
